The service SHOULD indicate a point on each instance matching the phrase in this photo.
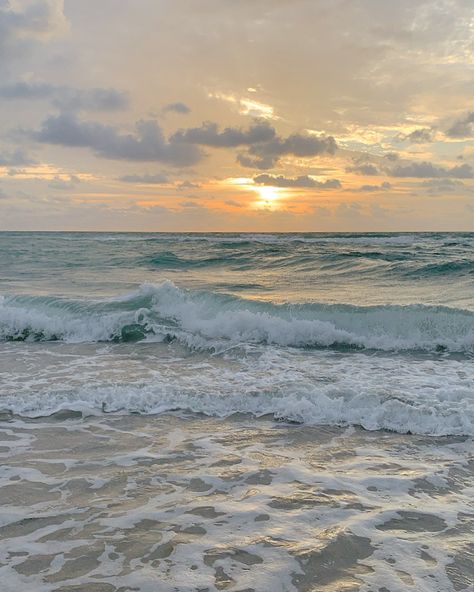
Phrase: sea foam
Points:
(210, 320)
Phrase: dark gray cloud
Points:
(181, 149)
(420, 136)
(462, 127)
(158, 179)
(177, 108)
(301, 181)
(210, 135)
(425, 170)
(256, 162)
(67, 98)
(265, 155)
(366, 169)
(15, 158)
(146, 144)
(265, 147)
(373, 188)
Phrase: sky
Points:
(237, 115)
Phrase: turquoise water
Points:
(427, 268)
(258, 413)
(370, 329)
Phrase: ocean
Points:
(239, 412)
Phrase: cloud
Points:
(372, 188)
(233, 203)
(247, 106)
(264, 146)
(158, 179)
(265, 155)
(209, 135)
(302, 181)
(177, 108)
(95, 99)
(187, 185)
(462, 127)
(26, 90)
(63, 184)
(252, 162)
(67, 98)
(190, 204)
(301, 145)
(146, 144)
(442, 185)
(425, 170)
(149, 144)
(419, 136)
(368, 169)
(37, 21)
(16, 158)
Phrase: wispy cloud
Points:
(181, 108)
(301, 181)
(463, 127)
(157, 179)
(425, 170)
(66, 97)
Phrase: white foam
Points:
(399, 394)
(265, 507)
(211, 320)
(386, 328)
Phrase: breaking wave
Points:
(207, 320)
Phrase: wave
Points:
(276, 257)
(461, 267)
(451, 414)
(169, 260)
(376, 255)
(209, 320)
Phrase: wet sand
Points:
(115, 503)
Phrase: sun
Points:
(269, 196)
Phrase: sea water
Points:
(270, 412)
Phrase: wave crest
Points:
(205, 320)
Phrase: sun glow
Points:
(269, 196)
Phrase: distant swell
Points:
(405, 263)
(204, 320)
(169, 260)
(463, 267)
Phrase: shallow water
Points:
(185, 502)
(185, 412)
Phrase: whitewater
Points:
(193, 411)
